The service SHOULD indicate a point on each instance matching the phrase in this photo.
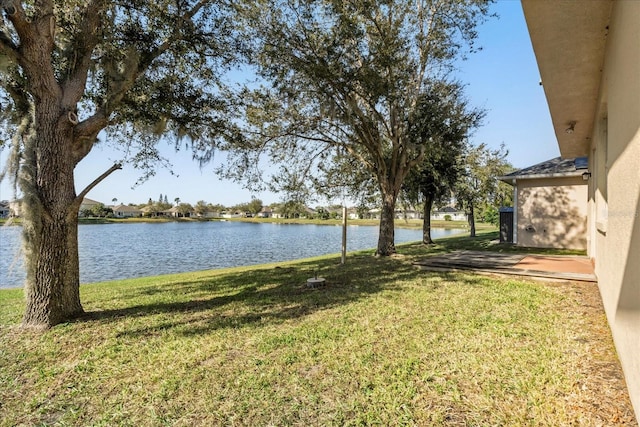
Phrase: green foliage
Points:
(342, 82)
(139, 70)
(489, 214)
(135, 73)
(447, 217)
(322, 213)
(97, 211)
(254, 206)
(292, 209)
(479, 188)
(200, 208)
(444, 120)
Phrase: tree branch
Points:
(97, 181)
(36, 46)
(87, 130)
(86, 41)
(8, 47)
(19, 19)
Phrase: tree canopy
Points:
(343, 80)
(130, 73)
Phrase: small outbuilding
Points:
(551, 204)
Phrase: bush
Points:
(447, 217)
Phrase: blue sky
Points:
(503, 78)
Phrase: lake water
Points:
(121, 250)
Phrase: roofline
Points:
(568, 39)
(508, 178)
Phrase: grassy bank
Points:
(400, 223)
(381, 344)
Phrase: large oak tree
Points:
(344, 78)
(74, 70)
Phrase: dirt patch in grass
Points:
(601, 392)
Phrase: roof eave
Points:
(511, 179)
(569, 39)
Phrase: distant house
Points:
(407, 214)
(152, 211)
(209, 214)
(308, 212)
(276, 213)
(449, 212)
(175, 212)
(88, 204)
(232, 214)
(124, 211)
(550, 204)
(4, 209)
(335, 212)
(352, 213)
(266, 212)
(373, 213)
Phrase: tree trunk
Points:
(52, 287)
(426, 222)
(472, 221)
(386, 236)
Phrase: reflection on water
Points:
(120, 250)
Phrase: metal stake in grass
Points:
(315, 281)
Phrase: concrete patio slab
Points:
(565, 264)
(577, 268)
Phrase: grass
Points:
(381, 344)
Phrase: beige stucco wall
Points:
(552, 213)
(614, 191)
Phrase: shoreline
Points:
(399, 223)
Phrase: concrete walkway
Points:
(557, 267)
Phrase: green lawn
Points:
(383, 343)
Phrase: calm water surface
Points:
(121, 251)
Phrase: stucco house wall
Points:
(589, 61)
(614, 193)
(552, 213)
(88, 204)
(124, 211)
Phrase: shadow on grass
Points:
(257, 296)
(273, 294)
